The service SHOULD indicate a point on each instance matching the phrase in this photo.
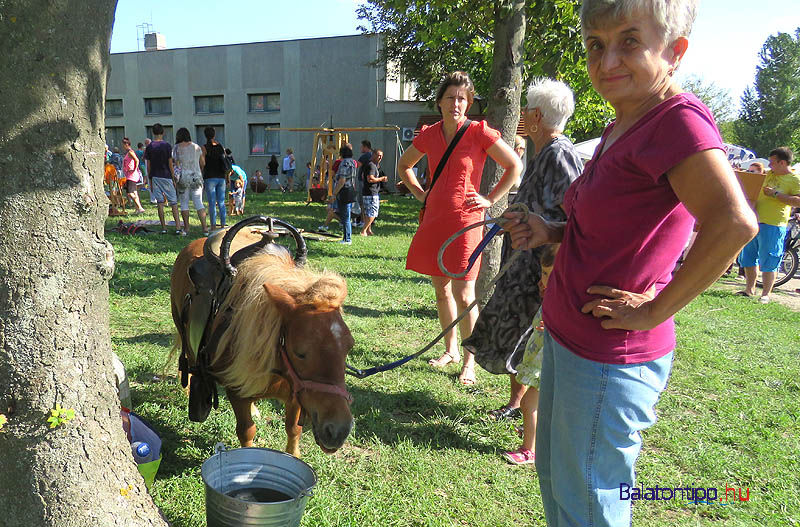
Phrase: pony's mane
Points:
(251, 340)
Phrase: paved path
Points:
(784, 294)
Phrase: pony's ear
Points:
(281, 299)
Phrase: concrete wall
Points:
(319, 80)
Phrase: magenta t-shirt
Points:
(626, 228)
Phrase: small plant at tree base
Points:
(3, 420)
(59, 416)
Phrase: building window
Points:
(200, 137)
(158, 106)
(264, 102)
(264, 141)
(167, 133)
(114, 135)
(114, 108)
(209, 104)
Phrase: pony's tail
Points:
(171, 364)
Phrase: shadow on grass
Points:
(417, 312)
(162, 339)
(413, 416)
(392, 418)
(140, 279)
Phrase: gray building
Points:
(245, 90)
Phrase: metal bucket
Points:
(255, 486)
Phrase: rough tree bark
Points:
(502, 113)
(54, 271)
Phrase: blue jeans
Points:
(587, 435)
(215, 194)
(344, 217)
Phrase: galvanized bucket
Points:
(255, 487)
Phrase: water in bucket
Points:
(255, 487)
(258, 495)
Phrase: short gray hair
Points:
(674, 17)
(554, 99)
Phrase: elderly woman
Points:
(608, 347)
(498, 337)
(452, 202)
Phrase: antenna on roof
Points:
(141, 30)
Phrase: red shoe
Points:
(521, 456)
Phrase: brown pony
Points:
(285, 339)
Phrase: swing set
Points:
(327, 142)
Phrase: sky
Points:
(723, 48)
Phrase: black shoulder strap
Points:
(446, 156)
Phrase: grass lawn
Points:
(421, 451)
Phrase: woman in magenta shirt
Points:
(660, 166)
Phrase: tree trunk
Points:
(502, 113)
(54, 271)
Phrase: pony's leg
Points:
(245, 426)
(293, 430)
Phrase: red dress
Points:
(444, 210)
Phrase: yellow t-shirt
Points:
(770, 210)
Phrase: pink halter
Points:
(298, 385)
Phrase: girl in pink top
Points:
(608, 346)
(133, 176)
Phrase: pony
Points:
(281, 335)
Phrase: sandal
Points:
(444, 360)
(521, 456)
(467, 377)
(504, 413)
(742, 293)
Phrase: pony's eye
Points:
(300, 356)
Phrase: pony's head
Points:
(317, 342)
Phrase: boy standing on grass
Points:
(158, 155)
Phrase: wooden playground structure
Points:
(116, 192)
(327, 142)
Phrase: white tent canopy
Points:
(586, 149)
(735, 153)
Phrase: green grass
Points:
(422, 452)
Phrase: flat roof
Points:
(248, 43)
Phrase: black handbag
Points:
(347, 194)
(443, 162)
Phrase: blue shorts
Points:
(371, 206)
(164, 190)
(765, 250)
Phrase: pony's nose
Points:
(334, 434)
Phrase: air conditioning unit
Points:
(407, 134)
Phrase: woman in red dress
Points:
(453, 203)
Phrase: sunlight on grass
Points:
(421, 451)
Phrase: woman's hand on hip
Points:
(475, 202)
(526, 234)
(622, 309)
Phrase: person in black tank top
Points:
(215, 178)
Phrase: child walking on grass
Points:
(530, 369)
(238, 197)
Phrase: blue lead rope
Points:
(494, 231)
(496, 228)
